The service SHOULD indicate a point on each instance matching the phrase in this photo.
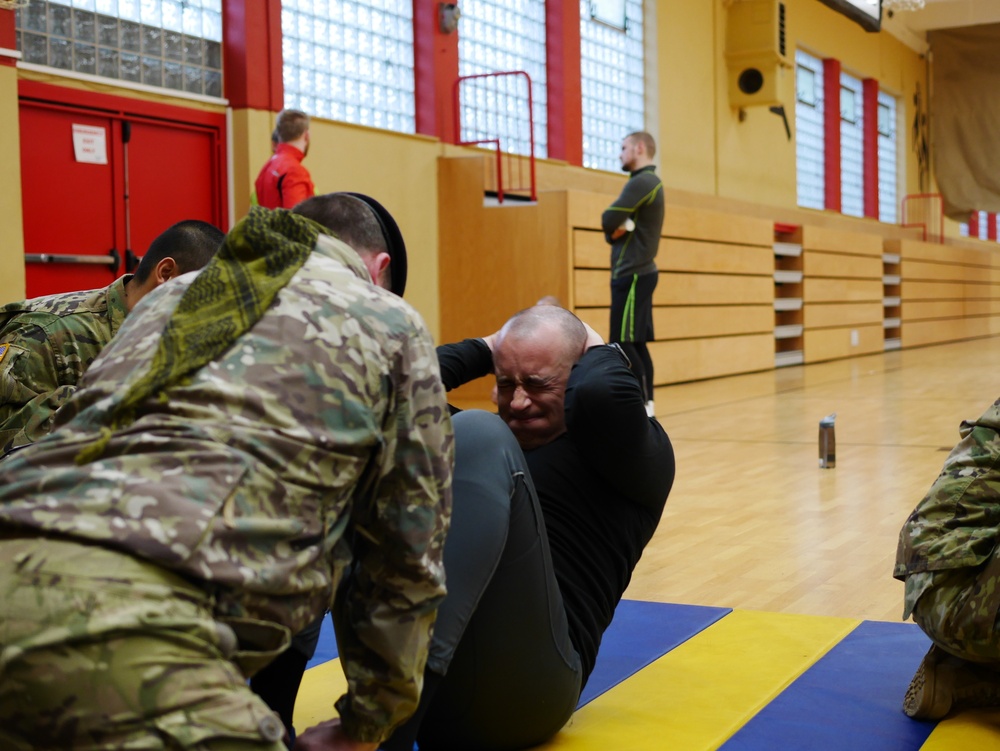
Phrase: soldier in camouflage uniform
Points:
(47, 343)
(949, 557)
(205, 491)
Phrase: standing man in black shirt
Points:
(632, 224)
(553, 503)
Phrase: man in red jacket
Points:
(284, 182)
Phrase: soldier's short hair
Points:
(290, 125)
(348, 218)
(191, 243)
(363, 223)
(647, 141)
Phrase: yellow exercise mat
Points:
(321, 686)
(697, 695)
(968, 729)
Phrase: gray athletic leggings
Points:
(501, 641)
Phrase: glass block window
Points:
(172, 44)
(852, 146)
(611, 80)
(888, 148)
(498, 36)
(984, 224)
(350, 61)
(809, 135)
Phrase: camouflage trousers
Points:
(101, 651)
(957, 609)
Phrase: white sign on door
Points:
(90, 144)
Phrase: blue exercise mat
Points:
(326, 648)
(640, 633)
(849, 699)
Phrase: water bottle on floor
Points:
(827, 442)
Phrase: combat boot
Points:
(944, 682)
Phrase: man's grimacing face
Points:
(531, 385)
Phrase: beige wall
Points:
(400, 172)
(705, 146)
(686, 54)
(11, 234)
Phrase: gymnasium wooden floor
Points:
(753, 522)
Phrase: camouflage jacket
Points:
(320, 437)
(46, 344)
(957, 524)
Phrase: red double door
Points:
(102, 176)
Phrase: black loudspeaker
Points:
(755, 52)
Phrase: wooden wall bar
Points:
(713, 305)
(841, 293)
(947, 293)
(720, 273)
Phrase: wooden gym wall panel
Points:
(590, 250)
(694, 359)
(494, 261)
(593, 289)
(913, 250)
(584, 209)
(842, 294)
(841, 290)
(928, 271)
(916, 290)
(836, 343)
(678, 254)
(948, 293)
(715, 286)
(693, 322)
(842, 314)
(701, 224)
(925, 309)
(920, 333)
(599, 319)
(711, 289)
(820, 264)
(841, 241)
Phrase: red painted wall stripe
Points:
(973, 224)
(831, 133)
(563, 88)
(252, 60)
(870, 98)
(8, 36)
(435, 60)
(991, 226)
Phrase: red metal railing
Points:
(924, 210)
(514, 162)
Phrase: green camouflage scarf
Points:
(258, 257)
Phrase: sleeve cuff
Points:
(360, 728)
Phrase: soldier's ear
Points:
(166, 269)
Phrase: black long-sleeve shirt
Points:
(601, 485)
(642, 201)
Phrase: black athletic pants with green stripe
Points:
(632, 323)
